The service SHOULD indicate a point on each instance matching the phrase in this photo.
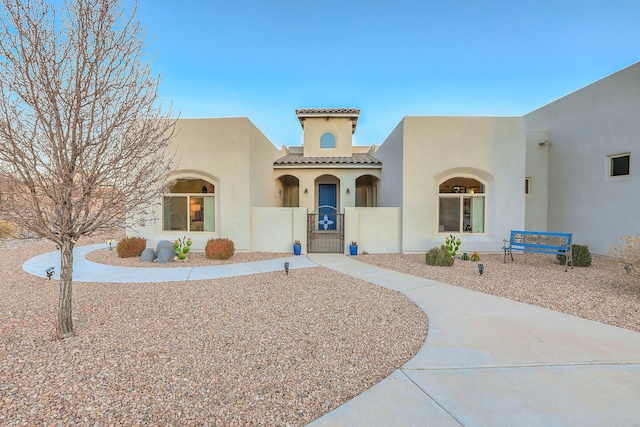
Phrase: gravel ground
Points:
(265, 349)
(602, 292)
(194, 259)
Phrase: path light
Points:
(110, 241)
(49, 272)
(286, 267)
(481, 268)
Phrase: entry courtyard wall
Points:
(376, 230)
(276, 229)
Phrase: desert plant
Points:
(440, 257)
(182, 247)
(131, 247)
(628, 253)
(464, 257)
(475, 256)
(452, 244)
(219, 249)
(580, 256)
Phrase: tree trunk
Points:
(64, 327)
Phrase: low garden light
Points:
(481, 268)
(110, 241)
(286, 267)
(49, 272)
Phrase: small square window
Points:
(619, 165)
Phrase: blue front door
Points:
(327, 206)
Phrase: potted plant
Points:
(297, 247)
(353, 248)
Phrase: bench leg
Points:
(568, 259)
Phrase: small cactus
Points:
(452, 244)
(182, 247)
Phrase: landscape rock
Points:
(165, 252)
(148, 255)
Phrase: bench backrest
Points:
(541, 239)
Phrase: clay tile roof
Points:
(351, 113)
(356, 159)
(321, 111)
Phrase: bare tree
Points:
(83, 138)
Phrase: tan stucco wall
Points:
(238, 159)
(586, 127)
(538, 172)
(391, 155)
(491, 149)
(376, 230)
(315, 127)
(276, 229)
(264, 190)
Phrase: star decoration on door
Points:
(325, 222)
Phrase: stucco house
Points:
(564, 167)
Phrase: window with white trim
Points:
(619, 165)
(186, 210)
(461, 206)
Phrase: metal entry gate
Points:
(325, 232)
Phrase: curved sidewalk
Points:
(489, 361)
(87, 271)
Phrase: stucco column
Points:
(307, 194)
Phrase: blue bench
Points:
(539, 241)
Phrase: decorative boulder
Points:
(165, 252)
(148, 255)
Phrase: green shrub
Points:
(439, 256)
(131, 247)
(580, 256)
(219, 249)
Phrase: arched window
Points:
(190, 206)
(461, 206)
(328, 140)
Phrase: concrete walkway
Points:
(87, 271)
(489, 361)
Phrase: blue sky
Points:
(264, 59)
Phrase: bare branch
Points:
(83, 137)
